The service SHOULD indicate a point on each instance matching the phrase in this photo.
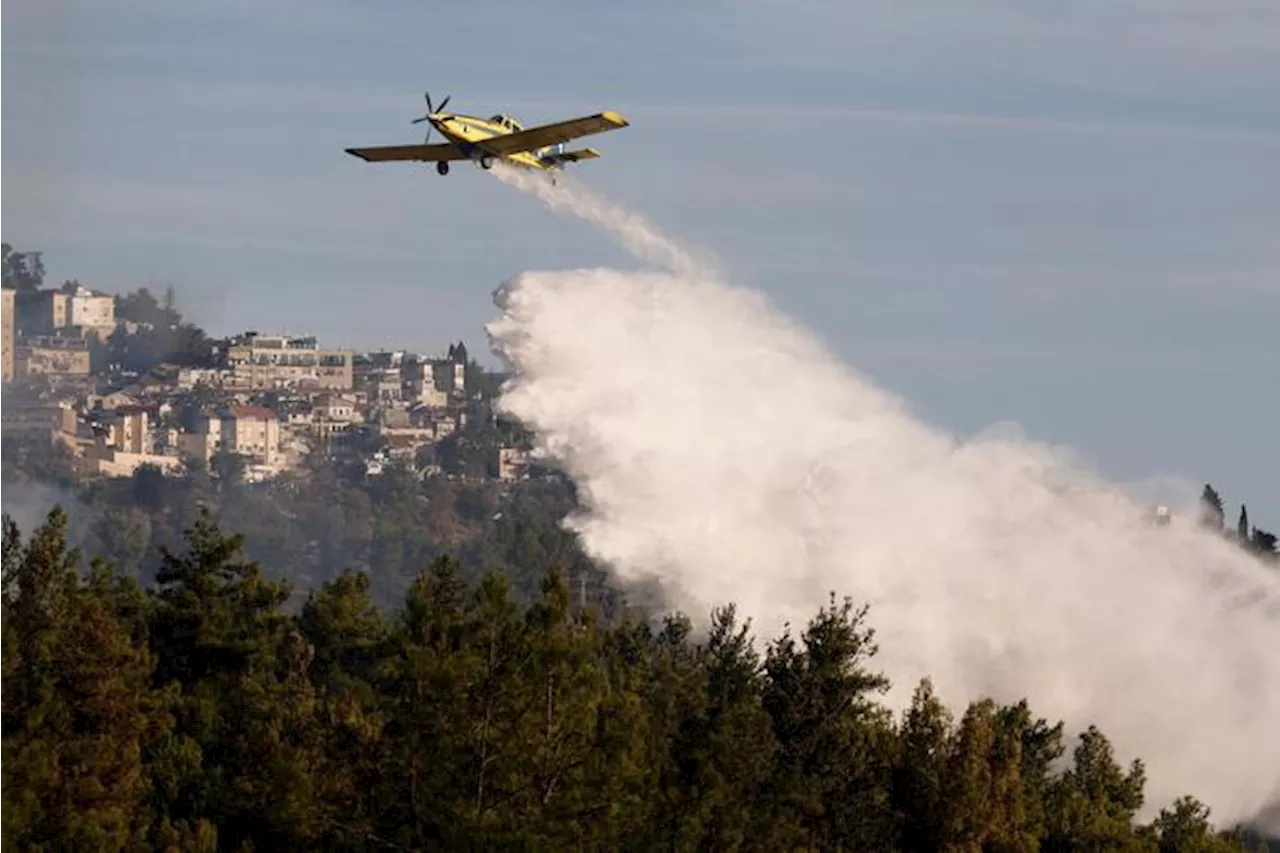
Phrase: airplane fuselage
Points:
(466, 131)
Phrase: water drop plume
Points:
(635, 233)
(723, 450)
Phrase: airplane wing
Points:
(552, 134)
(420, 153)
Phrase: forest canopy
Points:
(196, 713)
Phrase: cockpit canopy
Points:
(507, 122)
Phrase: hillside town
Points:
(99, 375)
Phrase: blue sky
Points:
(1066, 215)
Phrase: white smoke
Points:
(723, 450)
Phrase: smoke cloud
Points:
(29, 503)
(722, 450)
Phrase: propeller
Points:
(431, 111)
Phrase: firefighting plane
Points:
(499, 137)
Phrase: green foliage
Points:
(313, 526)
(1264, 544)
(1212, 513)
(198, 715)
(23, 271)
(1254, 540)
(141, 306)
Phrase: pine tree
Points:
(833, 765)
(39, 578)
(556, 737)
(108, 673)
(346, 629)
(427, 786)
(1039, 746)
(1185, 828)
(1211, 512)
(1264, 543)
(920, 772)
(353, 656)
(235, 674)
(1093, 804)
(973, 812)
(81, 712)
(721, 743)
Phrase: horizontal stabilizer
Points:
(574, 156)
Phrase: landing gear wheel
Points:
(442, 167)
(486, 162)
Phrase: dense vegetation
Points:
(156, 334)
(197, 715)
(1251, 538)
(23, 271)
(313, 524)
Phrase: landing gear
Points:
(442, 166)
(486, 162)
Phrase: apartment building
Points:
(259, 361)
(72, 308)
(51, 356)
(251, 431)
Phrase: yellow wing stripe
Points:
(552, 134)
(419, 153)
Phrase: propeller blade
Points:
(440, 108)
(417, 120)
(427, 95)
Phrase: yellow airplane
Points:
(499, 137)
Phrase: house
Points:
(442, 422)
(331, 413)
(380, 386)
(336, 407)
(511, 463)
(128, 429)
(378, 375)
(251, 431)
(420, 386)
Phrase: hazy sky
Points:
(1065, 215)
